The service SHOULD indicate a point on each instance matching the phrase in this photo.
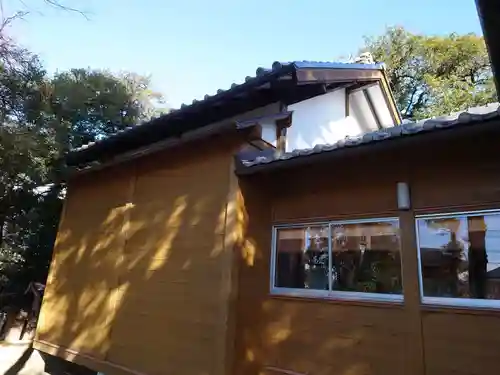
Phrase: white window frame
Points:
(330, 294)
(451, 301)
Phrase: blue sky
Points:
(193, 47)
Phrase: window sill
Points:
(345, 298)
(461, 305)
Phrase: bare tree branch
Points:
(57, 4)
(7, 20)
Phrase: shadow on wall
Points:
(141, 282)
(314, 337)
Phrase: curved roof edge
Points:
(262, 76)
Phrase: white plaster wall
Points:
(360, 111)
(383, 112)
(320, 120)
(269, 132)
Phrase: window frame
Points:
(451, 301)
(332, 294)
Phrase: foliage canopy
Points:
(434, 75)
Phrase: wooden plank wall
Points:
(316, 337)
(77, 309)
(464, 176)
(173, 262)
(141, 277)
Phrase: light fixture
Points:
(403, 192)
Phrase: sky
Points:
(194, 47)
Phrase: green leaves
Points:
(88, 104)
(41, 119)
(434, 75)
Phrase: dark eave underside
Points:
(489, 15)
(174, 124)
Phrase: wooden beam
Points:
(283, 115)
(416, 355)
(372, 109)
(363, 86)
(337, 75)
(347, 102)
(390, 100)
(83, 359)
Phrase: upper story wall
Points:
(320, 120)
(330, 117)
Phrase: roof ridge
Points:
(259, 72)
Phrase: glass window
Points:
(366, 257)
(339, 259)
(302, 258)
(460, 258)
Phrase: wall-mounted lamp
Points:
(403, 192)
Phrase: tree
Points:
(25, 154)
(41, 118)
(434, 75)
(147, 102)
(90, 104)
(71, 109)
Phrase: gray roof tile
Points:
(258, 73)
(334, 65)
(469, 116)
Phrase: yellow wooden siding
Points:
(460, 343)
(141, 279)
(77, 311)
(173, 270)
(287, 335)
(315, 337)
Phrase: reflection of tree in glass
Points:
(464, 259)
(478, 258)
(344, 262)
(361, 261)
(316, 259)
(452, 254)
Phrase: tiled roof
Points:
(276, 68)
(331, 65)
(470, 116)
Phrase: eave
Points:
(489, 17)
(282, 83)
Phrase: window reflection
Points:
(302, 258)
(366, 257)
(460, 256)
